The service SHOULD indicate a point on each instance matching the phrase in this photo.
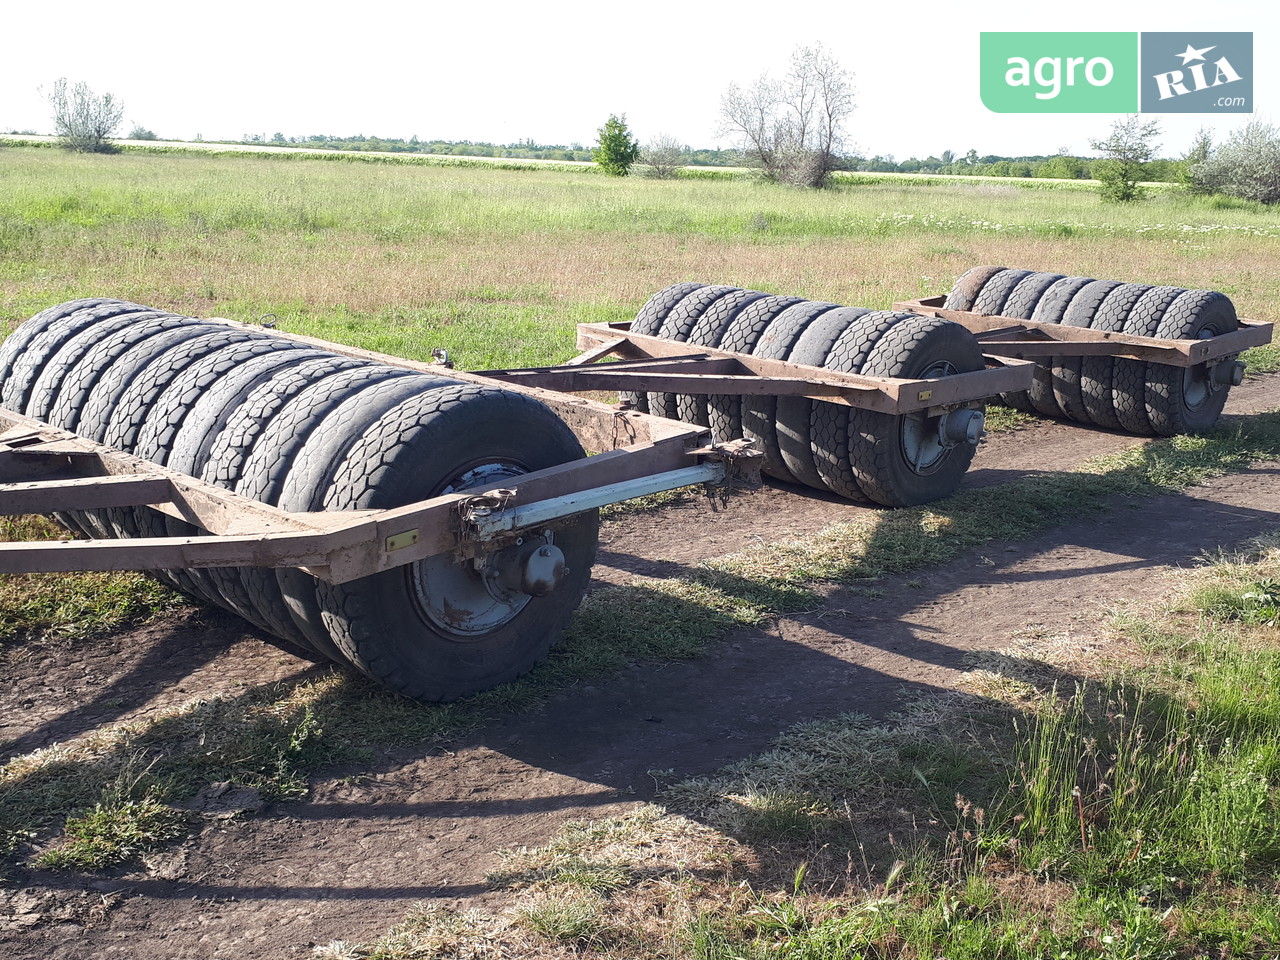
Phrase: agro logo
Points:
(1059, 72)
(1197, 73)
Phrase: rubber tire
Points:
(1021, 305)
(707, 332)
(648, 321)
(79, 362)
(724, 411)
(39, 349)
(1098, 373)
(192, 448)
(139, 413)
(154, 370)
(15, 344)
(99, 383)
(235, 443)
(1052, 308)
(1194, 315)
(116, 369)
(1026, 296)
(996, 291)
(33, 351)
(677, 326)
(72, 371)
(310, 473)
(964, 293)
(1064, 372)
(795, 414)
(876, 449)
(267, 468)
(1129, 377)
(829, 424)
(412, 454)
(172, 409)
(213, 409)
(760, 413)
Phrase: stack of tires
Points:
(1140, 397)
(308, 430)
(856, 454)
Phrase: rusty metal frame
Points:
(647, 363)
(1032, 340)
(44, 469)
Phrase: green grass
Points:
(1264, 359)
(497, 265)
(1126, 787)
(71, 607)
(1131, 814)
(114, 833)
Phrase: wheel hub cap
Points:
(471, 598)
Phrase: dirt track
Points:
(349, 862)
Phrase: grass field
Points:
(1039, 858)
(497, 265)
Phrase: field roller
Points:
(1145, 359)
(435, 529)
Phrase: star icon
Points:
(1191, 53)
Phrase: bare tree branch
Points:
(793, 129)
(663, 156)
(83, 121)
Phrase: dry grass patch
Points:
(648, 844)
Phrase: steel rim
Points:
(1197, 381)
(456, 596)
(922, 448)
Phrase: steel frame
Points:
(44, 469)
(1031, 340)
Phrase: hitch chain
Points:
(742, 462)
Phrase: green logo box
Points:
(1059, 72)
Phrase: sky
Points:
(502, 71)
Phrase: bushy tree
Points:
(616, 150)
(1246, 166)
(139, 132)
(663, 156)
(1063, 167)
(1201, 147)
(82, 120)
(1125, 150)
(793, 129)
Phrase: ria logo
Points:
(1197, 73)
(1171, 84)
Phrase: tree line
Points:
(520, 150)
(1059, 166)
(792, 130)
